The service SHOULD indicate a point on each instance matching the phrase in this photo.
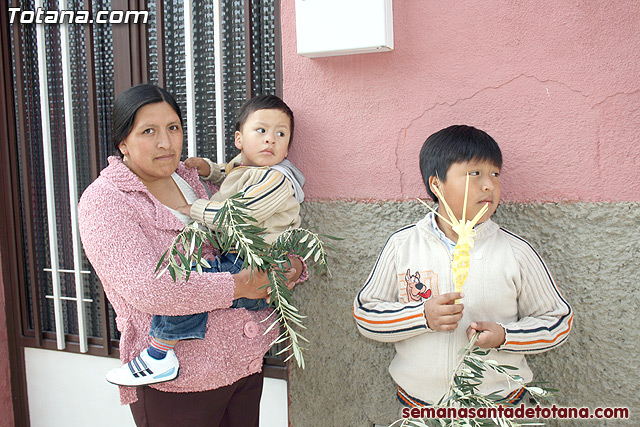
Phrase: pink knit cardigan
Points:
(124, 231)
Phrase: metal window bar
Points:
(217, 24)
(93, 135)
(248, 48)
(49, 187)
(190, 80)
(73, 183)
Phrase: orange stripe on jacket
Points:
(514, 395)
(543, 341)
(382, 322)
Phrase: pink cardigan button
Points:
(250, 329)
(255, 365)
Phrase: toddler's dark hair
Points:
(263, 102)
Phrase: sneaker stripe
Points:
(136, 366)
(145, 367)
(133, 371)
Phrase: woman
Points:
(127, 219)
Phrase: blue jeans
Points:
(194, 325)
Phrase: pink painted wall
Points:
(558, 86)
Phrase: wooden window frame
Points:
(130, 67)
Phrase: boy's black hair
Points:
(126, 107)
(263, 102)
(457, 143)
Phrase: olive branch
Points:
(233, 229)
(463, 391)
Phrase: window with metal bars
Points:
(212, 58)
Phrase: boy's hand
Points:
(442, 313)
(199, 163)
(491, 335)
(185, 209)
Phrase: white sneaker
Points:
(144, 370)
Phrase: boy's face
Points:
(264, 138)
(484, 187)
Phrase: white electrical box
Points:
(343, 27)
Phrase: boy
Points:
(263, 131)
(509, 296)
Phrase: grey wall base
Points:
(592, 250)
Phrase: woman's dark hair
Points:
(130, 101)
(457, 143)
(263, 102)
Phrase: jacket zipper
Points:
(452, 351)
(451, 288)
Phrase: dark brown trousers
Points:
(236, 405)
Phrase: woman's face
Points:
(153, 147)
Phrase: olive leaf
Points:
(234, 229)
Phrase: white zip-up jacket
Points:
(508, 283)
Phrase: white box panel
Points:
(343, 27)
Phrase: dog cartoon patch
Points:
(417, 286)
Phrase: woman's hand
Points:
(253, 284)
(250, 284)
(296, 266)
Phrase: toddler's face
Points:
(264, 138)
(484, 187)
